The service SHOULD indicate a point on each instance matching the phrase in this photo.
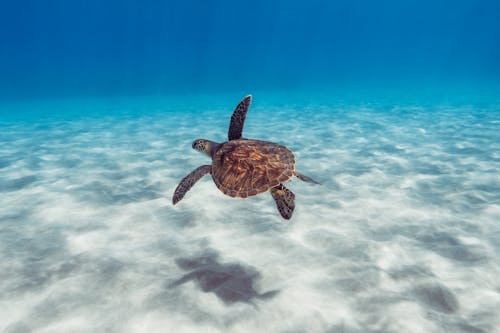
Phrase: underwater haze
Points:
(57, 48)
(393, 106)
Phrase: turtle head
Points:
(205, 146)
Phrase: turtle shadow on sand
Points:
(229, 282)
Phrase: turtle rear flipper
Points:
(304, 178)
(188, 182)
(285, 200)
(238, 118)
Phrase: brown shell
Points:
(242, 168)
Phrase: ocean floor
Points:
(403, 235)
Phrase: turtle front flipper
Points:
(285, 200)
(238, 118)
(188, 182)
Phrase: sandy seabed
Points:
(402, 236)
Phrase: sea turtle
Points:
(244, 167)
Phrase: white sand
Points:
(403, 235)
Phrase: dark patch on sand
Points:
(230, 282)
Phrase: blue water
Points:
(59, 48)
(393, 106)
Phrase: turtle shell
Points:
(243, 168)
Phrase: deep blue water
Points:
(79, 48)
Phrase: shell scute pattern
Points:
(243, 168)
